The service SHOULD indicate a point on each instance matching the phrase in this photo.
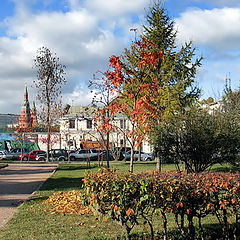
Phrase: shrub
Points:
(130, 198)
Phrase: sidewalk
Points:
(17, 183)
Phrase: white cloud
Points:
(79, 97)
(81, 39)
(217, 28)
(115, 8)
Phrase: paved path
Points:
(17, 183)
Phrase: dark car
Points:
(31, 156)
(54, 155)
(119, 152)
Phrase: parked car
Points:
(118, 152)
(3, 153)
(31, 156)
(84, 154)
(144, 156)
(15, 153)
(54, 155)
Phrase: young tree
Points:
(50, 78)
(102, 100)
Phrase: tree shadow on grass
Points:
(61, 184)
(76, 167)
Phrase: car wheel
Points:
(61, 159)
(72, 158)
(42, 159)
(25, 158)
(148, 159)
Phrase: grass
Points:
(33, 221)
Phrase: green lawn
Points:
(33, 221)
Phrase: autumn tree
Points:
(50, 78)
(102, 99)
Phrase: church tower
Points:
(25, 120)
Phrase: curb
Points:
(3, 166)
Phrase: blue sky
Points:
(85, 33)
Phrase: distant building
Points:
(77, 126)
(8, 121)
(28, 118)
(213, 106)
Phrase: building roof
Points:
(81, 110)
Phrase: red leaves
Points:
(143, 86)
(137, 95)
(150, 59)
(129, 212)
(180, 205)
(115, 63)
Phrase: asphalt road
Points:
(17, 183)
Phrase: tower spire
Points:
(25, 116)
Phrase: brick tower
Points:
(25, 120)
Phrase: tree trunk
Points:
(131, 160)
(159, 164)
(107, 154)
(139, 154)
(165, 232)
(48, 143)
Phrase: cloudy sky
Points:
(85, 33)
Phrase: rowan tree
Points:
(102, 100)
(50, 78)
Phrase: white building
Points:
(77, 125)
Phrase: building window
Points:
(71, 123)
(89, 123)
(122, 123)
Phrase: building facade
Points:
(77, 126)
